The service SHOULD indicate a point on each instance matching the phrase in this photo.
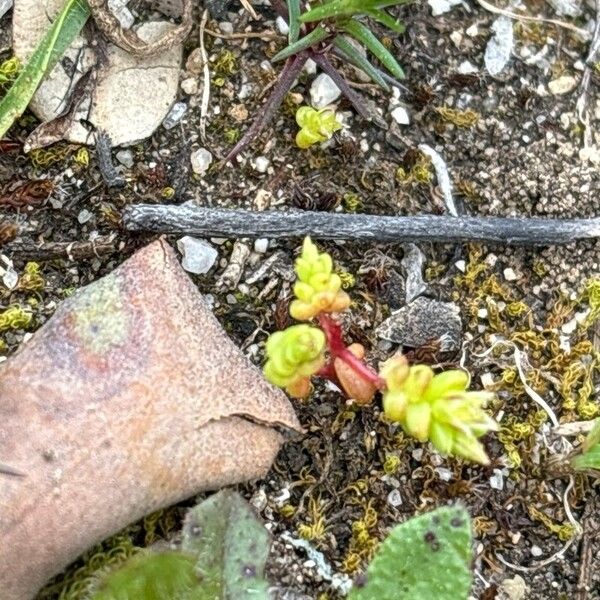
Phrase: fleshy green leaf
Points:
(232, 547)
(427, 557)
(365, 36)
(49, 51)
(314, 37)
(358, 60)
(293, 19)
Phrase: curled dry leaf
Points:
(129, 399)
(129, 98)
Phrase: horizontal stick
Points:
(54, 250)
(188, 219)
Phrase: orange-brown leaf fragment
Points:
(129, 399)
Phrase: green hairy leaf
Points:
(294, 20)
(358, 60)
(427, 557)
(365, 36)
(231, 546)
(314, 37)
(49, 51)
(587, 460)
(223, 554)
(345, 8)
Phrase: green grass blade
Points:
(387, 20)
(364, 36)
(332, 10)
(293, 19)
(358, 60)
(54, 44)
(346, 8)
(314, 37)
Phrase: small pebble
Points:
(261, 245)
(261, 164)
(201, 159)
(282, 26)
(125, 157)
(400, 115)
(174, 115)
(198, 256)
(84, 216)
(562, 85)
(536, 551)
(190, 86)
(323, 91)
(394, 498)
(510, 275)
(497, 480)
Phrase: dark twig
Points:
(193, 220)
(355, 99)
(54, 250)
(285, 82)
(110, 175)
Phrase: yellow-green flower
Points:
(437, 408)
(315, 126)
(318, 289)
(293, 355)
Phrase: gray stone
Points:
(499, 48)
(174, 115)
(412, 263)
(5, 6)
(422, 321)
(131, 97)
(125, 157)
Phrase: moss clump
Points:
(460, 118)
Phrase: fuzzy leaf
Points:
(587, 460)
(593, 437)
(427, 557)
(314, 37)
(358, 60)
(148, 576)
(61, 34)
(293, 19)
(231, 546)
(364, 35)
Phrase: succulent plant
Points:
(437, 408)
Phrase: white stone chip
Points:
(201, 159)
(323, 91)
(198, 256)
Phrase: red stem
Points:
(337, 349)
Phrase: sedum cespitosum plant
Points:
(437, 408)
(316, 126)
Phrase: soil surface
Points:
(512, 148)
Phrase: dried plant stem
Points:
(194, 220)
(285, 82)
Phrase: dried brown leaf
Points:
(129, 399)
